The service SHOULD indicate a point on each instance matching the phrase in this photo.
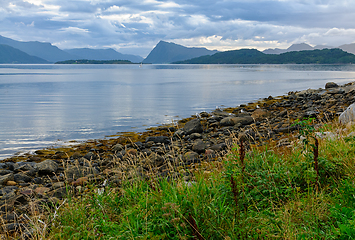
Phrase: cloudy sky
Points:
(136, 26)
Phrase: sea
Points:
(52, 105)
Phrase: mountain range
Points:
(253, 56)
(50, 54)
(12, 51)
(350, 48)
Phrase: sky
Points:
(136, 26)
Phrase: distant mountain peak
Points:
(168, 52)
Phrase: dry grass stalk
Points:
(195, 230)
(242, 154)
(235, 191)
(315, 153)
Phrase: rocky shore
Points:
(32, 184)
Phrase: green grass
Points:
(275, 196)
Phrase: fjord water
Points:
(45, 105)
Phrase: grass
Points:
(271, 193)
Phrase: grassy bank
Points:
(300, 191)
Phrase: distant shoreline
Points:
(85, 61)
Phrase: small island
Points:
(85, 61)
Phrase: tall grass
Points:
(270, 193)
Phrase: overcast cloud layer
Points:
(136, 26)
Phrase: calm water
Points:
(42, 105)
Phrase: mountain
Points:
(9, 54)
(42, 50)
(253, 56)
(274, 51)
(295, 47)
(350, 48)
(165, 52)
(299, 47)
(102, 54)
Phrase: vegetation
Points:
(305, 191)
(85, 61)
(253, 56)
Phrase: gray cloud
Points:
(137, 25)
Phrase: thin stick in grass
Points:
(195, 230)
(315, 154)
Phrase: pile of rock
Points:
(43, 179)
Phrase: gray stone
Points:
(331, 85)
(24, 166)
(46, 167)
(4, 172)
(158, 139)
(21, 177)
(231, 121)
(8, 177)
(219, 147)
(195, 136)
(117, 148)
(193, 126)
(199, 146)
(348, 115)
(59, 192)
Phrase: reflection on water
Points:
(40, 104)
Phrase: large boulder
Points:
(46, 167)
(193, 126)
(331, 85)
(348, 115)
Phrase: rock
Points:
(204, 114)
(348, 115)
(190, 156)
(155, 160)
(41, 190)
(117, 148)
(21, 177)
(193, 126)
(46, 167)
(24, 166)
(195, 136)
(90, 156)
(75, 172)
(11, 183)
(58, 185)
(199, 146)
(231, 121)
(178, 134)
(80, 181)
(331, 85)
(8, 177)
(219, 147)
(158, 139)
(58, 193)
(4, 172)
(260, 114)
(76, 155)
